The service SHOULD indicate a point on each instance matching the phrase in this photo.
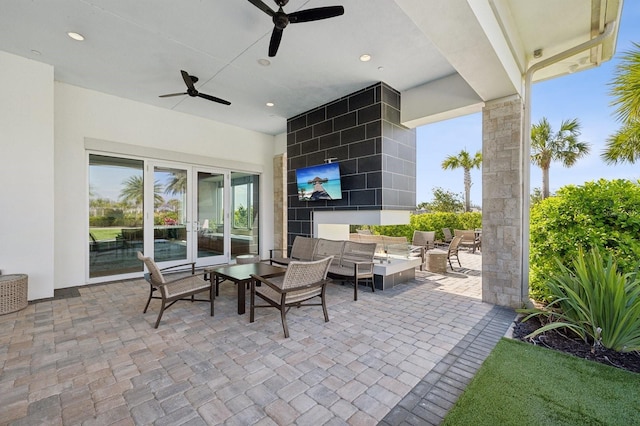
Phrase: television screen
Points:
(321, 182)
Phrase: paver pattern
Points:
(96, 359)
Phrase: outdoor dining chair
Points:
(452, 251)
(181, 288)
(302, 281)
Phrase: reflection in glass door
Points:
(209, 220)
(175, 213)
(170, 214)
(245, 204)
(115, 215)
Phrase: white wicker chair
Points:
(183, 288)
(301, 282)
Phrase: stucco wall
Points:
(81, 114)
(26, 172)
(43, 196)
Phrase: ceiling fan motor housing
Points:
(280, 20)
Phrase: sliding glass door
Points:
(116, 219)
(209, 230)
(175, 213)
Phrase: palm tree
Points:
(133, 191)
(624, 145)
(178, 184)
(562, 146)
(465, 161)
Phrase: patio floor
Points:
(399, 356)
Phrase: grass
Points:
(521, 384)
(102, 234)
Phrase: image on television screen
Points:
(321, 182)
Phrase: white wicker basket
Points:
(13, 293)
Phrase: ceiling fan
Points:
(189, 80)
(281, 19)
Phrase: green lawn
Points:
(102, 234)
(521, 384)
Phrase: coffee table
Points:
(241, 275)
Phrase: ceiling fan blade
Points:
(187, 80)
(173, 94)
(276, 37)
(214, 99)
(263, 7)
(315, 14)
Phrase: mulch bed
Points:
(566, 341)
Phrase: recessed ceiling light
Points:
(264, 62)
(36, 52)
(380, 68)
(270, 104)
(75, 36)
(365, 57)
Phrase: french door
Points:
(174, 212)
(185, 220)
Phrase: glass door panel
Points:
(245, 196)
(115, 215)
(170, 214)
(209, 220)
(175, 213)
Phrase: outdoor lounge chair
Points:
(182, 288)
(425, 239)
(446, 232)
(303, 249)
(301, 282)
(453, 251)
(421, 242)
(469, 239)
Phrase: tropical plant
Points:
(178, 183)
(536, 196)
(601, 214)
(444, 201)
(562, 146)
(595, 301)
(464, 161)
(624, 145)
(133, 191)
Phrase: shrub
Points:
(431, 222)
(603, 214)
(596, 301)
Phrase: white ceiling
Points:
(136, 48)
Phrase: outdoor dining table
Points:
(241, 276)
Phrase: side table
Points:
(437, 261)
(13, 293)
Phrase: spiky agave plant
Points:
(595, 301)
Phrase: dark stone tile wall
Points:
(377, 155)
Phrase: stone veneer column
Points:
(280, 202)
(504, 215)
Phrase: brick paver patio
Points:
(401, 356)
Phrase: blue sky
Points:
(583, 95)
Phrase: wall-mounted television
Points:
(321, 182)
